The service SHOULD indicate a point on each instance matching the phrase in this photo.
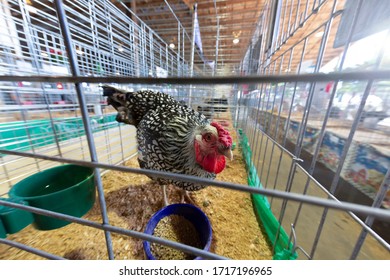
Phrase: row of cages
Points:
(301, 142)
(344, 98)
(106, 41)
(320, 117)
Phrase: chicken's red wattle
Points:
(211, 162)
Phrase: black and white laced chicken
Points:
(172, 137)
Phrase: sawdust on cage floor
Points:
(132, 199)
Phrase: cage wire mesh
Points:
(323, 138)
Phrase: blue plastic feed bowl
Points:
(189, 215)
(67, 189)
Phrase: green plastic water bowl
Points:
(67, 189)
(13, 219)
(3, 233)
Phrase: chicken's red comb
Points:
(223, 135)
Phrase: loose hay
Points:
(131, 201)
(178, 229)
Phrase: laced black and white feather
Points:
(166, 131)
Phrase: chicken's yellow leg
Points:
(184, 194)
(164, 188)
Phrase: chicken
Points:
(172, 137)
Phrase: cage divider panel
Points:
(42, 133)
(283, 248)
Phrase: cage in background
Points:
(45, 116)
(287, 125)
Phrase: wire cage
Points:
(317, 165)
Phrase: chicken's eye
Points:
(207, 137)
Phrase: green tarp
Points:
(283, 248)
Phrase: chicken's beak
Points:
(227, 152)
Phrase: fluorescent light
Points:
(236, 41)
